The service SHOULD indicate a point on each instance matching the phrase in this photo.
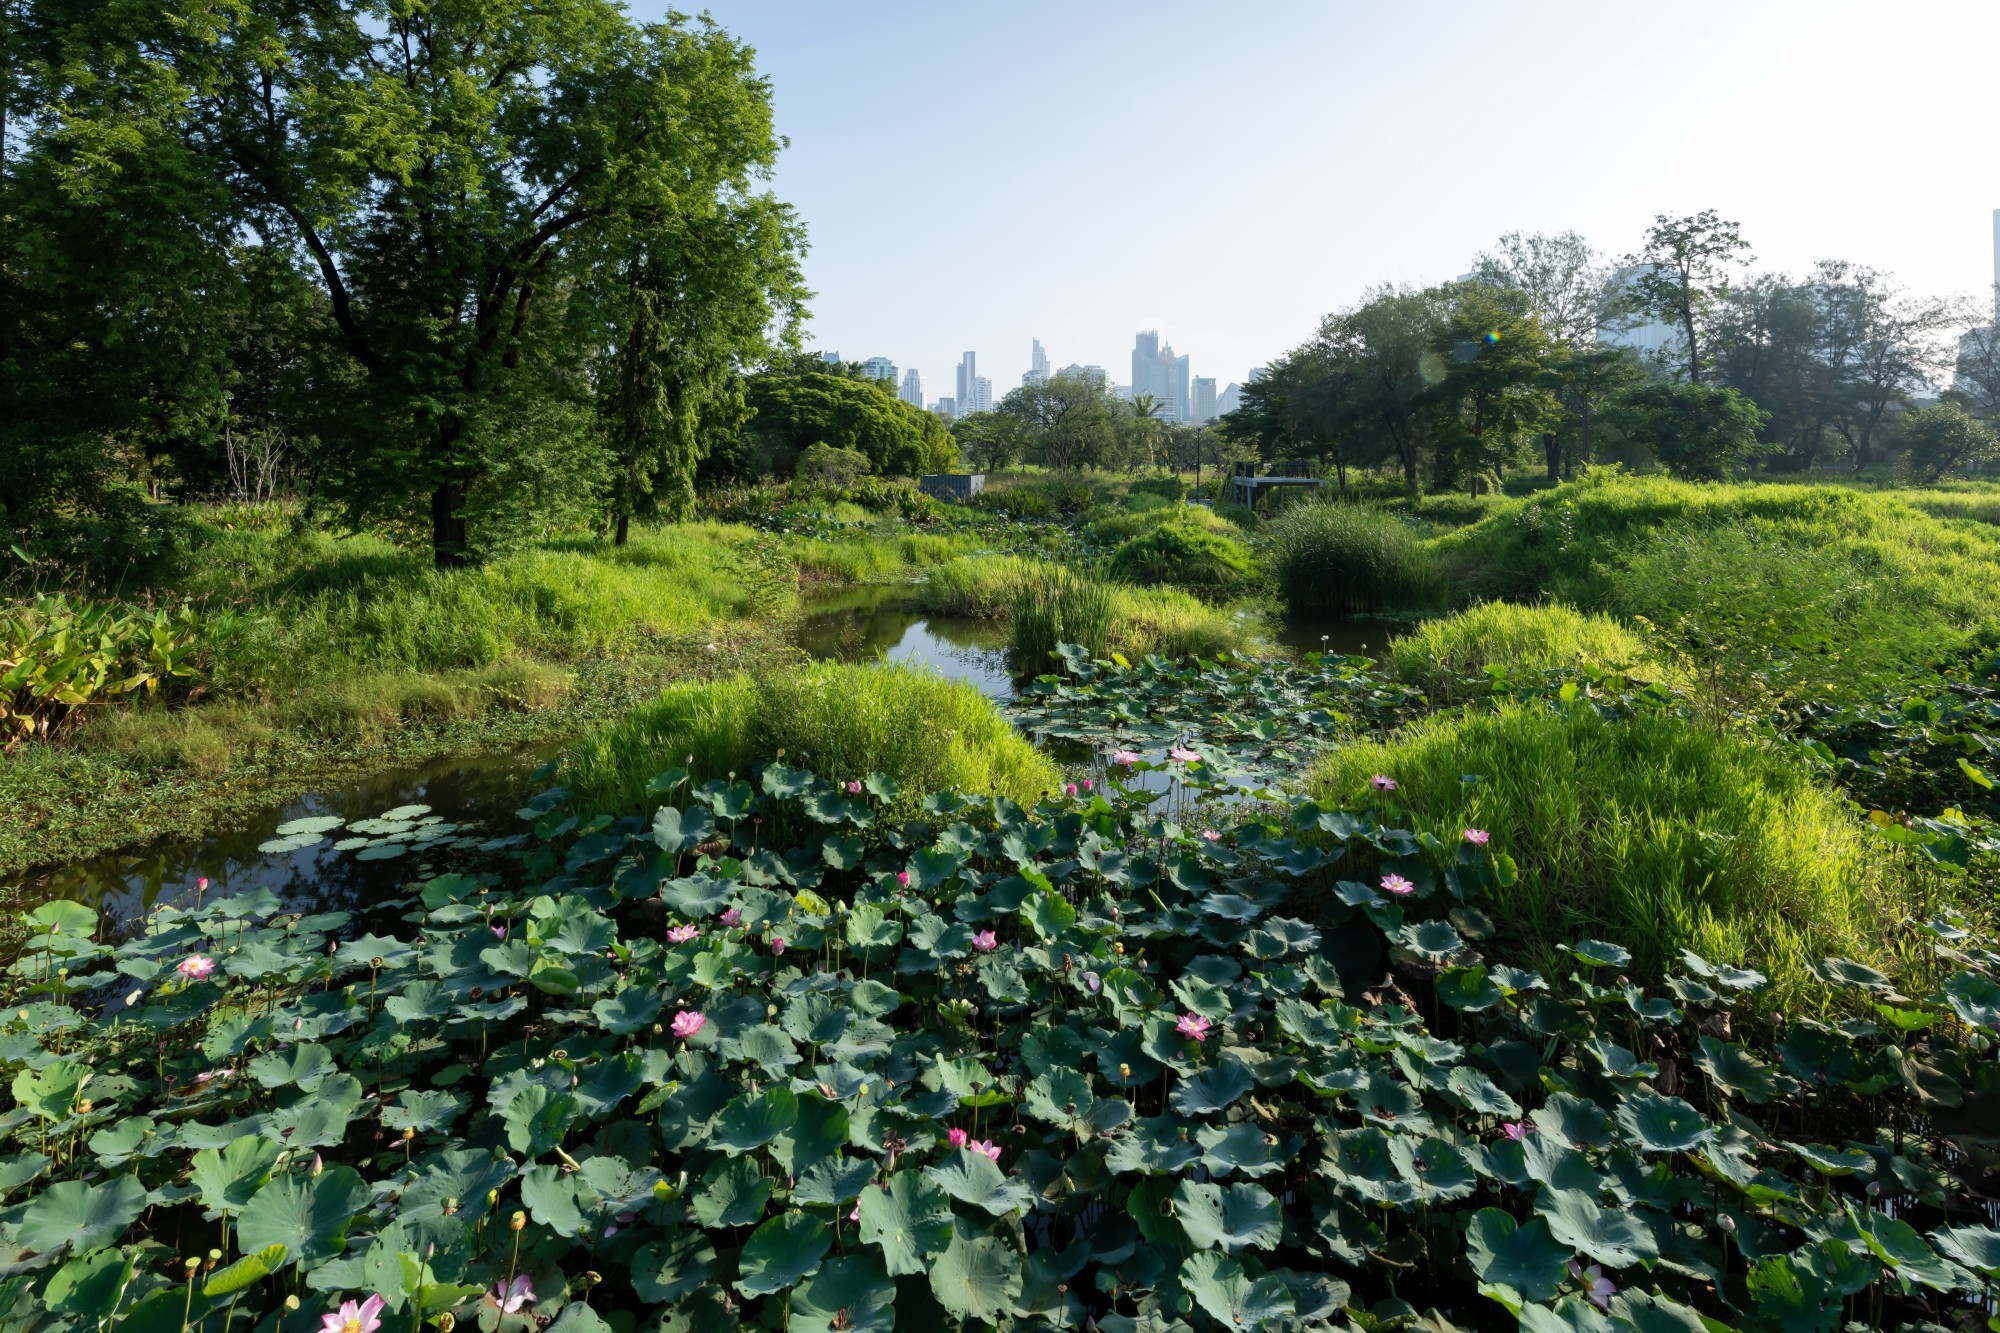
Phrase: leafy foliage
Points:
(1026, 1066)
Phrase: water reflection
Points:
(478, 795)
(864, 624)
(1308, 632)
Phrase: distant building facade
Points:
(1158, 372)
(913, 387)
(1038, 365)
(1204, 401)
(880, 368)
(1094, 374)
(946, 408)
(1641, 333)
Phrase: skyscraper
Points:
(880, 368)
(913, 387)
(1157, 371)
(1204, 401)
(1038, 363)
(968, 370)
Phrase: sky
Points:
(976, 174)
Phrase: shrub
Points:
(824, 465)
(1440, 655)
(923, 731)
(1347, 557)
(1181, 554)
(1167, 488)
(1940, 440)
(1651, 831)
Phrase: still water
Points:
(479, 795)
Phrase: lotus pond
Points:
(1173, 1049)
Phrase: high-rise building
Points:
(945, 407)
(981, 399)
(1158, 372)
(1976, 347)
(1642, 333)
(1204, 401)
(831, 358)
(968, 368)
(1229, 399)
(1038, 365)
(1095, 374)
(880, 368)
(913, 387)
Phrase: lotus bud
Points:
(519, 1220)
(318, 1165)
(133, 998)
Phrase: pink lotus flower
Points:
(1598, 1289)
(1397, 885)
(499, 929)
(201, 885)
(196, 966)
(1478, 837)
(511, 1295)
(986, 1146)
(1069, 789)
(854, 1213)
(853, 788)
(1092, 982)
(1382, 782)
(778, 945)
(733, 917)
(956, 1138)
(1125, 758)
(1210, 835)
(902, 879)
(1088, 784)
(682, 934)
(1192, 1025)
(354, 1317)
(688, 1022)
(1180, 754)
(986, 941)
(1516, 1130)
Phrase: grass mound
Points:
(1652, 832)
(837, 718)
(1134, 620)
(1442, 655)
(1345, 557)
(1189, 557)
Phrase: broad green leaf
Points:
(910, 1220)
(1663, 1124)
(1238, 1217)
(308, 1215)
(230, 1178)
(1221, 1287)
(978, 1276)
(1524, 1257)
(246, 1270)
(73, 1215)
(1612, 1237)
(782, 1251)
(754, 1119)
(976, 1179)
(733, 1193)
(91, 1285)
(849, 1294)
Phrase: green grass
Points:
(841, 720)
(1168, 621)
(1185, 556)
(1347, 557)
(1446, 657)
(1652, 832)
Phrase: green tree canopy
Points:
(1697, 431)
(462, 179)
(789, 412)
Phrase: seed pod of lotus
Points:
(519, 1220)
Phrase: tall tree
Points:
(1562, 276)
(452, 173)
(1066, 421)
(1494, 396)
(1681, 270)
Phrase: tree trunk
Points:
(624, 529)
(448, 525)
(1552, 450)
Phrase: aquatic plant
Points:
(1212, 1083)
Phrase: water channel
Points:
(479, 794)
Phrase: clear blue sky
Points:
(974, 175)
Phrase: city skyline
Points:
(1282, 215)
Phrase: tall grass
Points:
(1052, 605)
(1347, 557)
(1183, 555)
(842, 720)
(1652, 831)
(1447, 656)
